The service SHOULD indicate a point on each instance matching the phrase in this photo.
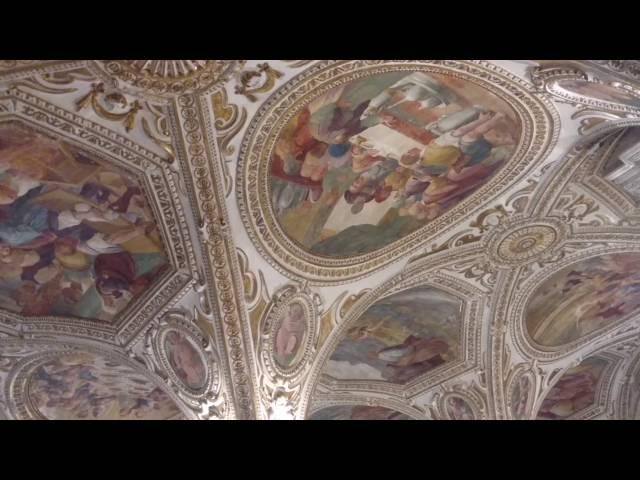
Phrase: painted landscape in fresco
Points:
(373, 160)
(185, 360)
(575, 391)
(290, 335)
(600, 91)
(583, 298)
(77, 238)
(400, 338)
(87, 387)
(358, 412)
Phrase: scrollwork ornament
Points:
(110, 105)
(253, 81)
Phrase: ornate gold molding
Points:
(536, 115)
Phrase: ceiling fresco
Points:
(83, 386)
(323, 240)
(78, 238)
(373, 160)
(401, 337)
(574, 391)
(583, 298)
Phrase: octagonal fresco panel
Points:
(83, 386)
(357, 412)
(583, 298)
(375, 159)
(400, 338)
(575, 391)
(77, 237)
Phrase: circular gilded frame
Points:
(537, 117)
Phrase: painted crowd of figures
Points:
(584, 297)
(84, 386)
(400, 338)
(374, 160)
(76, 237)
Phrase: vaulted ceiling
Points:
(197, 239)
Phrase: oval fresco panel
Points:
(290, 335)
(77, 237)
(583, 298)
(575, 391)
(83, 386)
(185, 359)
(400, 338)
(375, 159)
(353, 163)
(458, 409)
(358, 412)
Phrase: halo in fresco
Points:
(583, 298)
(357, 412)
(400, 338)
(353, 163)
(77, 237)
(575, 391)
(84, 386)
(185, 359)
